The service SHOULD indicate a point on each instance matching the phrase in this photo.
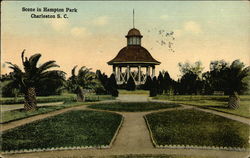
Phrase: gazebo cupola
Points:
(134, 37)
(133, 60)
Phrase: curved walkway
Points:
(133, 138)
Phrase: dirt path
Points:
(134, 135)
(233, 117)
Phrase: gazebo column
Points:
(119, 74)
(114, 68)
(128, 72)
(153, 71)
(139, 74)
(148, 71)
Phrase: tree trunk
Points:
(234, 101)
(30, 103)
(80, 94)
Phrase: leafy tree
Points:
(85, 79)
(218, 74)
(130, 84)
(187, 67)
(190, 81)
(28, 80)
(207, 83)
(167, 83)
(53, 86)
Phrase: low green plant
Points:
(74, 128)
(194, 127)
(13, 115)
(155, 156)
(40, 99)
(133, 106)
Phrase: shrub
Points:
(112, 86)
(148, 83)
(153, 88)
(131, 84)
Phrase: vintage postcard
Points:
(125, 79)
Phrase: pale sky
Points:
(94, 35)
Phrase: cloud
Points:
(193, 27)
(58, 24)
(79, 31)
(164, 17)
(101, 21)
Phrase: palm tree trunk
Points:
(80, 94)
(30, 102)
(234, 101)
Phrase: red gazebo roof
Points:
(134, 32)
(133, 54)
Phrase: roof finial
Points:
(133, 18)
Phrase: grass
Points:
(218, 103)
(153, 156)
(74, 128)
(138, 92)
(133, 106)
(13, 115)
(93, 97)
(67, 97)
(193, 127)
(40, 99)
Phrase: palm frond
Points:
(14, 67)
(34, 59)
(47, 65)
(22, 56)
(73, 71)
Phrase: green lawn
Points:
(155, 156)
(94, 97)
(8, 116)
(74, 128)
(68, 97)
(218, 103)
(138, 92)
(133, 106)
(193, 127)
(40, 99)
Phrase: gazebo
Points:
(133, 60)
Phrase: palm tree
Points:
(85, 79)
(236, 82)
(32, 76)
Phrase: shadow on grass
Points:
(217, 107)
